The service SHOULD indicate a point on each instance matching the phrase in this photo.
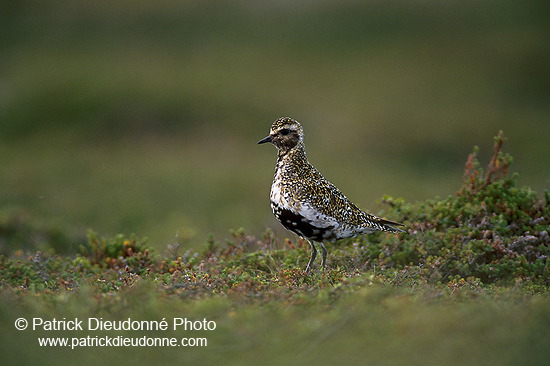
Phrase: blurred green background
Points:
(143, 116)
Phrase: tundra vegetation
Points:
(467, 283)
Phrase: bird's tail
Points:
(388, 225)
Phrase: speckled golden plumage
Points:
(305, 202)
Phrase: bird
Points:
(304, 202)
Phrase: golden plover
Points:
(306, 203)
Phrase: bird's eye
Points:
(284, 131)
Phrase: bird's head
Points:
(285, 134)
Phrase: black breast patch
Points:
(301, 226)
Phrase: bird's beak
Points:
(263, 141)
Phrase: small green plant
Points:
(120, 252)
(491, 229)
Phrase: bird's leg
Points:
(313, 255)
(324, 255)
